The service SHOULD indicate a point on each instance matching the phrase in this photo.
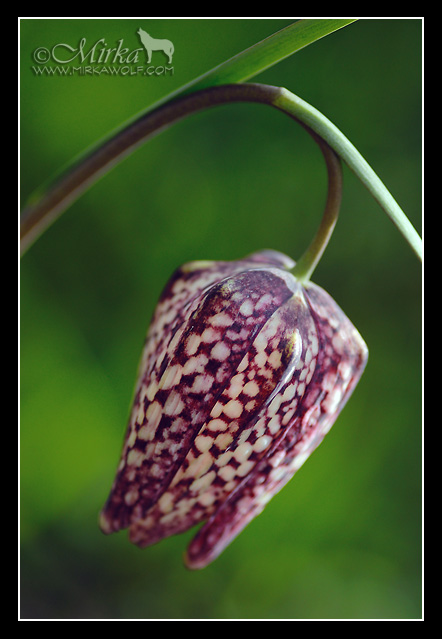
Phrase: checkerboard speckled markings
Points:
(255, 406)
(193, 349)
(341, 359)
(244, 371)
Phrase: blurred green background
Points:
(343, 539)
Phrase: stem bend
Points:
(47, 205)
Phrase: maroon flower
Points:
(244, 371)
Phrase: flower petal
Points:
(241, 427)
(182, 376)
(341, 359)
(243, 373)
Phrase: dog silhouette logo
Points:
(154, 44)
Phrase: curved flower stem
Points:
(305, 266)
(64, 190)
(328, 132)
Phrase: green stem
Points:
(307, 263)
(69, 186)
(79, 176)
(52, 198)
(327, 131)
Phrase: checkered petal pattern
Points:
(243, 372)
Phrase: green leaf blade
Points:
(267, 52)
(51, 199)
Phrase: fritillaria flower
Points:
(247, 364)
(245, 369)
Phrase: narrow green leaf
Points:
(52, 198)
(268, 52)
(259, 57)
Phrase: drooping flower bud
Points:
(243, 373)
